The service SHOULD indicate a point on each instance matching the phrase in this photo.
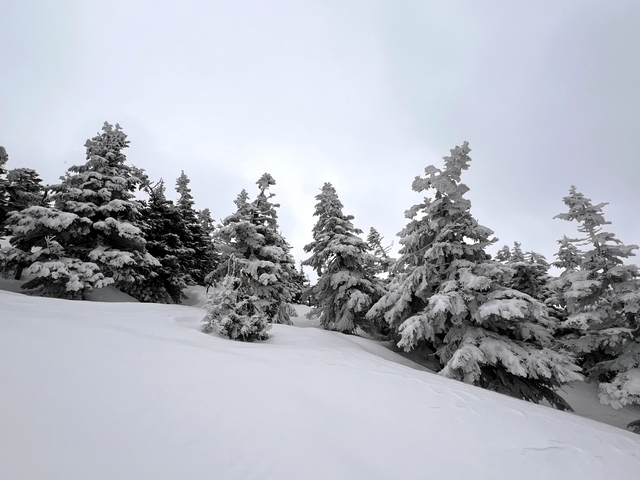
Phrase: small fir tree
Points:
(301, 284)
(185, 202)
(234, 311)
(601, 298)
(206, 221)
(449, 296)
(381, 254)
(347, 286)
(24, 189)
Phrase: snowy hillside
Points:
(94, 390)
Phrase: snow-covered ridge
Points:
(131, 391)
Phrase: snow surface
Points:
(92, 390)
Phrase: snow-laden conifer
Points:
(55, 275)
(346, 286)
(94, 216)
(262, 264)
(233, 310)
(206, 221)
(529, 271)
(448, 295)
(24, 189)
(102, 193)
(199, 256)
(601, 298)
(381, 253)
(185, 201)
(163, 228)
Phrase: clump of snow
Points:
(129, 391)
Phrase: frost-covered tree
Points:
(24, 189)
(262, 264)
(301, 284)
(20, 188)
(529, 271)
(185, 201)
(381, 253)
(93, 221)
(234, 311)
(449, 296)
(102, 193)
(346, 286)
(601, 298)
(206, 221)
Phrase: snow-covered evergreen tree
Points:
(163, 228)
(93, 220)
(301, 284)
(448, 295)
(206, 221)
(260, 254)
(185, 201)
(199, 258)
(102, 193)
(24, 189)
(233, 310)
(346, 286)
(529, 271)
(381, 254)
(601, 298)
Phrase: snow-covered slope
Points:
(135, 391)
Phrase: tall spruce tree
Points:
(199, 257)
(347, 286)
(163, 228)
(601, 298)
(257, 271)
(448, 295)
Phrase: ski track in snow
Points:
(132, 391)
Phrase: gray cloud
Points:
(361, 94)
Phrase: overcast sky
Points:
(362, 94)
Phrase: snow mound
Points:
(131, 391)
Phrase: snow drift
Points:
(133, 391)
